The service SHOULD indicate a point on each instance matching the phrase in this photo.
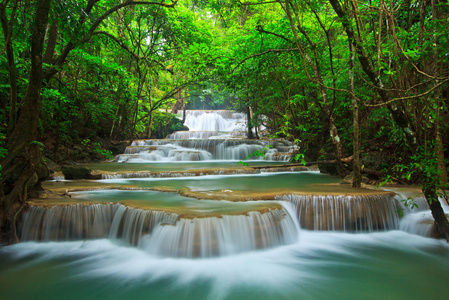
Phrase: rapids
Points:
(180, 219)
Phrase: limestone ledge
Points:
(61, 196)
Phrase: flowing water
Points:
(164, 223)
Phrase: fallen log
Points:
(346, 160)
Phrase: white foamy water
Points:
(215, 121)
(213, 135)
(320, 265)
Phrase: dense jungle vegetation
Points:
(361, 78)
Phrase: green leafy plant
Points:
(299, 157)
(257, 153)
(105, 153)
(97, 148)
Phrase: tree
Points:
(20, 166)
(424, 164)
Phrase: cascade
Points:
(418, 219)
(135, 241)
(345, 213)
(161, 233)
(213, 135)
(78, 222)
(225, 235)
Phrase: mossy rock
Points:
(76, 173)
(331, 169)
(348, 179)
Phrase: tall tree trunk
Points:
(357, 177)
(51, 44)
(24, 153)
(7, 35)
(439, 148)
(249, 122)
(183, 113)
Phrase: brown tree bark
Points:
(439, 148)
(357, 177)
(7, 35)
(430, 191)
(250, 134)
(24, 154)
(51, 44)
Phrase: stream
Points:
(180, 218)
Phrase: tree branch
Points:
(263, 53)
(72, 44)
(257, 3)
(260, 29)
(409, 97)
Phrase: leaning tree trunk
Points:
(24, 153)
(441, 221)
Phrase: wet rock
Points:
(77, 173)
(373, 161)
(331, 169)
(348, 179)
(43, 172)
(118, 147)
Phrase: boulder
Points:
(77, 173)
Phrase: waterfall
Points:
(213, 135)
(345, 213)
(192, 173)
(215, 120)
(419, 220)
(77, 222)
(186, 135)
(225, 235)
(167, 234)
(204, 149)
(161, 233)
(416, 215)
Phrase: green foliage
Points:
(410, 202)
(164, 124)
(299, 157)
(221, 54)
(256, 154)
(96, 147)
